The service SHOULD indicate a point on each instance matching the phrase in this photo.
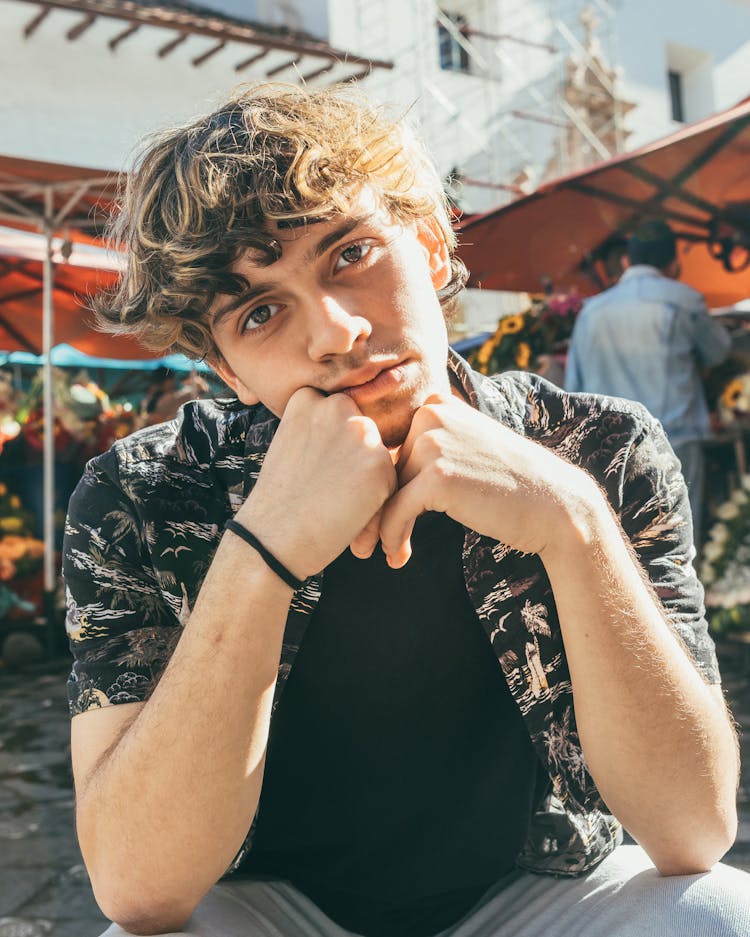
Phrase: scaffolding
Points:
(545, 97)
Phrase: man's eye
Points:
(352, 255)
(260, 315)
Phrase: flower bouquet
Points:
(524, 340)
(725, 567)
(21, 555)
(517, 340)
(9, 403)
(733, 404)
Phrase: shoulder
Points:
(201, 429)
(684, 294)
(544, 407)
(673, 291)
(610, 437)
(594, 312)
(201, 435)
(601, 299)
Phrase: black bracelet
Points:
(270, 560)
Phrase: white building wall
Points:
(78, 101)
(467, 119)
(708, 40)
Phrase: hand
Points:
(324, 479)
(483, 475)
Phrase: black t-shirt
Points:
(400, 778)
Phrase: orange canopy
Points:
(21, 289)
(75, 202)
(697, 179)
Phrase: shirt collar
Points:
(641, 270)
(485, 394)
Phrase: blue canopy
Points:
(466, 345)
(65, 356)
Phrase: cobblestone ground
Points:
(44, 889)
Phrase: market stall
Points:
(566, 235)
(564, 242)
(51, 258)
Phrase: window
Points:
(676, 95)
(453, 56)
(690, 83)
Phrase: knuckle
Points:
(340, 404)
(428, 445)
(434, 412)
(438, 471)
(303, 396)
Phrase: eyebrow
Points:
(242, 300)
(338, 233)
(323, 245)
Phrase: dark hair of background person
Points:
(653, 243)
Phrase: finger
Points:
(422, 422)
(304, 396)
(439, 398)
(367, 539)
(397, 523)
(432, 446)
(402, 555)
(426, 418)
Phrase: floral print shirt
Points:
(147, 516)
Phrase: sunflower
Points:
(485, 353)
(731, 394)
(523, 355)
(487, 349)
(512, 324)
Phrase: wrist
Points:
(580, 519)
(278, 538)
(269, 558)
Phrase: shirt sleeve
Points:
(573, 378)
(121, 630)
(711, 340)
(655, 514)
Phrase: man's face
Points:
(349, 307)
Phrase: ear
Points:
(229, 377)
(433, 243)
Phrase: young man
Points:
(452, 630)
(648, 338)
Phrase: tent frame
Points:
(34, 203)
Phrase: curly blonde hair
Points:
(200, 195)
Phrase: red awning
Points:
(75, 203)
(697, 179)
(21, 290)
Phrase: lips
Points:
(368, 384)
(364, 376)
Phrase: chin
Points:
(394, 440)
(393, 432)
(394, 416)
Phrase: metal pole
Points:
(49, 425)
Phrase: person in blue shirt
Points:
(647, 339)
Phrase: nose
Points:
(334, 329)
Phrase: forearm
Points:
(163, 813)
(657, 739)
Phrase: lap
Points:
(623, 897)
